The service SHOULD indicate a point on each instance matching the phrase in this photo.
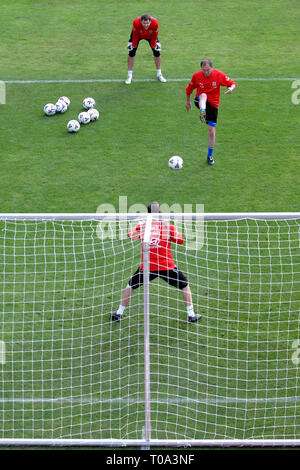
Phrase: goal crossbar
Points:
(171, 216)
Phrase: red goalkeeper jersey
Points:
(160, 256)
(139, 32)
(209, 85)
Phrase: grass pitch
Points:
(141, 126)
(125, 153)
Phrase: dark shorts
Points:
(133, 51)
(173, 277)
(211, 112)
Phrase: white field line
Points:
(168, 401)
(121, 80)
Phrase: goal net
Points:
(69, 374)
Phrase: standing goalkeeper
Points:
(144, 27)
(208, 81)
(161, 264)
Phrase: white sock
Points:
(158, 71)
(129, 73)
(190, 310)
(120, 309)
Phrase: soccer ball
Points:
(49, 109)
(84, 117)
(61, 106)
(176, 163)
(94, 114)
(73, 126)
(65, 99)
(88, 103)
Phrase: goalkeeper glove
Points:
(129, 46)
(157, 47)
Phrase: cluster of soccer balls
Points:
(60, 106)
(91, 114)
(84, 117)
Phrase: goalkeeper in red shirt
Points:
(144, 27)
(208, 81)
(161, 263)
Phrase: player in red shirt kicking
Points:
(208, 81)
(161, 263)
(144, 27)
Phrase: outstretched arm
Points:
(188, 104)
(189, 90)
(230, 89)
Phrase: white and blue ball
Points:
(176, 163)
(84, 117)
(65, 99)
(88, 103)
(94, 114)
(73, 126)
(49, 109)
(61, 106)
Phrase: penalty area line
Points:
(142, 80)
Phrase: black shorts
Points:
(133, 51)
(173, 277)
(211, 112)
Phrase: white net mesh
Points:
(68, 371)
(235, 375)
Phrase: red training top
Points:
(139, 32)
(162, 233)
(209, 85)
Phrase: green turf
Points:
(45, 169)
(141, 126)
(125, 153)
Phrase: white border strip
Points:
(153, 442)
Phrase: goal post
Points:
(70, 376)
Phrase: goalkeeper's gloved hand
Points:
(130, 46)
(157, 47)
